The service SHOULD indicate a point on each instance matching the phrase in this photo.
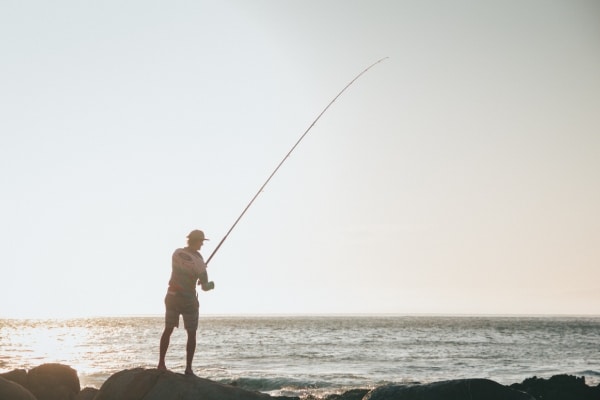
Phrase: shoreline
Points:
(286, 384)
(557, 387)
(282, 386)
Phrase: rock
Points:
(53, 382)
(354, 394)
(10, 390)
(461, 389)
(87, 394)
(152, 384)
(559, 387)
(18, 375)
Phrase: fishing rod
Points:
(287, 155)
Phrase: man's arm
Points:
(204, 282)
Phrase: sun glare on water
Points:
(49, 341)
(94, 347)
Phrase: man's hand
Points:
(204, 282)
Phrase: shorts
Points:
(184, 305)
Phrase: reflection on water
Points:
(90, 346)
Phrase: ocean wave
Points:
(275, 384)
(307, 389)
(589, 372)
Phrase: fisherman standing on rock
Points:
(188, 268)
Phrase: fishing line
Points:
(288, 154)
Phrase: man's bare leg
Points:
(190, 349)
(165, 339)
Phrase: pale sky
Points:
(460, 176)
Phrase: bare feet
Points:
(189, 372)
(161, 367)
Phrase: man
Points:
(188, 267)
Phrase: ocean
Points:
(316, 355)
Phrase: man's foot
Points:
(189, 372)
(161, 367)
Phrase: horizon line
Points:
(316, 315)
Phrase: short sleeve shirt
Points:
(187, 265)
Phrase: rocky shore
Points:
(60, 382)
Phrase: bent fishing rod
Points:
(288, 154)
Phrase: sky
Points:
(459, 176)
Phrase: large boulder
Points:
(559, 387)
(152, 384)
(18, 376)
(10, 390)
(53, 382)
(461, 389)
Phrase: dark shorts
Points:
(186, 306)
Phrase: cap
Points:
(196, 235)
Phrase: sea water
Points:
(316, 355)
